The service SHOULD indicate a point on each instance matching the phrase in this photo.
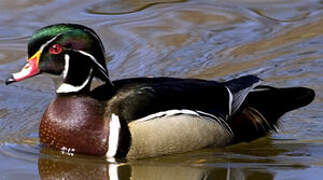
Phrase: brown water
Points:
(281, 41)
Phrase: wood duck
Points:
(144, 117)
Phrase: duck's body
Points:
(145, 117)
(157, 112)
(160, 116)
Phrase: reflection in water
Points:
(68, 169)
(54, 165)
(240, 174)
(254, 161)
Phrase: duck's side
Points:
(175, 131)
(163, 120)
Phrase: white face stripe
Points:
(48, 42)
(68, 88)
(114, 131)
(95, 61)
(66, 66)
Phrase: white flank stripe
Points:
(114, 131)
(66, 66)
(68, 88)
(219, 120)
(168, 113)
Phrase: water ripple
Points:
(125, 6)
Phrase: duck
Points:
(144, 117)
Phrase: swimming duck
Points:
(144, 117)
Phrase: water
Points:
(281, 41)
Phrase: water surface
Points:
(280, 41)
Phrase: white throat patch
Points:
(68, 88)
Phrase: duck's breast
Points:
(75, 123)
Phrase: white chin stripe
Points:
(114, 131)
(68, 88)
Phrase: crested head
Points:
(71, 50)
(73, 36)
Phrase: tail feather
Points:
(262, 108)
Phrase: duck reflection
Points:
(55, 165)
(63, 169)
(75, 169)
(67, 169)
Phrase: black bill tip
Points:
(10, 80)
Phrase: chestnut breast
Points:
(75, 124)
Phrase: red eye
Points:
(55, 49)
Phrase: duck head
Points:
(74, 52)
